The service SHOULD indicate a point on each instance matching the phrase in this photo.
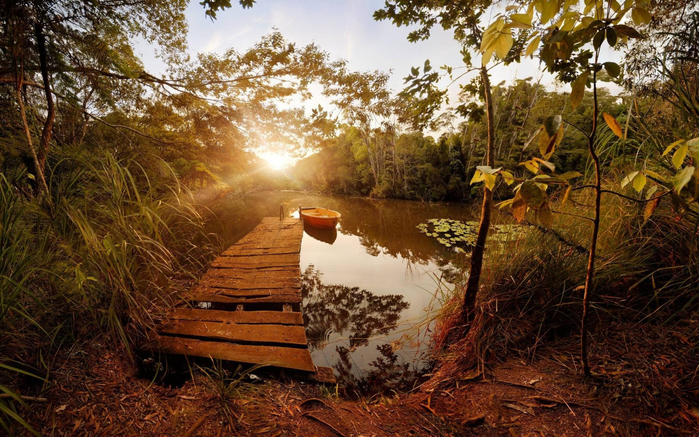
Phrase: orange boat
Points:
(319, 217)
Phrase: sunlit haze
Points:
(277, 160)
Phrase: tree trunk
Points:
(478, 251)
(39, 173)
(47, 131)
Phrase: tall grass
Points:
(647, 272)
(112, 251)
(17, 269)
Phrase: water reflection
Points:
(325, 235)
(348, 318)
(349, 312)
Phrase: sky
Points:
(343, 28)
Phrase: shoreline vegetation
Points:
(580, 320)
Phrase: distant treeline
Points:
(411, 165)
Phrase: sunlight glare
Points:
(276, 160)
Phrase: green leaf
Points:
(545, 215)
(678, 157)
(611, 37)
(578, 91)
(598, 39)
(639, 182)
(613, 125)
(682, 178)
(612, 68)
(552, 123)
(531, 194)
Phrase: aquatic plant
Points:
(462, 235)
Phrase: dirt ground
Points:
(98, 391)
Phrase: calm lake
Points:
(364, 285)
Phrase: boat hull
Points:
(320, 217)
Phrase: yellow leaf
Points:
(650, 207)
(522, 19)
(508, 177)
(639, 182)
(503, 44)
(613, 125)
(478, 176)
(672, 146)
(655, 175)
(505, 203)
(640, 16)
(531, 166)
(628, 178)
(548, 10)
(533, 45)
(487, 55)
(678, 157)
(544, 141)
(578, 91)
(566, 195)
(490, 181)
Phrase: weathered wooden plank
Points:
(235, 272)
(283, 334)
(282, 298)
(287, 357)
(238, 280)
(237, 317)
(236, 251)
(259, 261)
(253, 278)
(248, 292)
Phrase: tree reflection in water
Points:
(357, 315)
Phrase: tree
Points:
(465, 18)
(570, 38)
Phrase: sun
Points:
(276, 160)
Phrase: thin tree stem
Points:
(478, 251)
(589, 277)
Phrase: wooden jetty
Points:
(247, 307)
